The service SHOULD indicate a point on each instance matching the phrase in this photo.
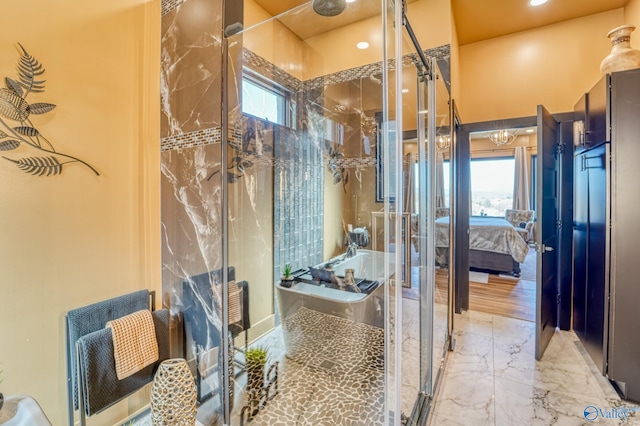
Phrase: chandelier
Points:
(443, 142)
(503, 137)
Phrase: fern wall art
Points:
(17, 129)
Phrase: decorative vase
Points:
(622, 56)
(255, 377)
(173, 395)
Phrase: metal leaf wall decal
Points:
(9, 145)
(14, 107)
(27, 131)
(41, 108)
(39, 165)
(28, 69)
(14, 86)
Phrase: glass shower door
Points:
(433, 231)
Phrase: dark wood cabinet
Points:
(606, 232)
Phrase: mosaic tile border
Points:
(365, 71)
(169, 5)
(189, 140)
(292, 83)
(270, 70)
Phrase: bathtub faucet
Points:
(352, 250)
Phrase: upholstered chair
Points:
(522, 220)
(442, 212)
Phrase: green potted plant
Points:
(287, 279)
(256, 360)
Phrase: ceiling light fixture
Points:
(443, 142)
(503, 137)
(536, 2)
(529, 130)
(351, 1)
(405, 90)
(362, 45)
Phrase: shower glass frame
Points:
(255, 194)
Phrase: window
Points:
(492, 186)
(265, 100)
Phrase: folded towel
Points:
(134, 342)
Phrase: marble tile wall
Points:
(191, 152)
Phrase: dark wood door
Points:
(546, 231)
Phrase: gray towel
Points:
(94, 317)
(100, 385)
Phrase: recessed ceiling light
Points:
(529, 130)
(537, 2)
(405, 90)
(362, 45)
(351, 1)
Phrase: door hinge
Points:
(559, 224)
(558, 299)
(560, 148)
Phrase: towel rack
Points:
(92, 384)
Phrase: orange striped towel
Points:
(235, 303)
(134, 342)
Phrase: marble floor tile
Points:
(492, 378)
(520, 404)
(474, 322)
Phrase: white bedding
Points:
(487, 234)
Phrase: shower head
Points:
(328, 7)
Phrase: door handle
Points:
(542, 248)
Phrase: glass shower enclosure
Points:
(326, 245)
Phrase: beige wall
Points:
(77, 238)
(509, 76)
(632, 16)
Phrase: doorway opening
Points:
(502, 255)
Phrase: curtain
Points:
(409, 183)
(521, 180)
(440, 180)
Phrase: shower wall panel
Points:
(191, 134)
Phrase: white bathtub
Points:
(367, 264)
(366, 308)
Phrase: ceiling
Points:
(481, 20)
(476, 20)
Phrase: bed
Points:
(494, 245)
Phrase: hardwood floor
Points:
(504, 296)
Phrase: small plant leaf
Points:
(27, 131)
(3, 135)
(232, 177)
(247, 164)
(266, 148)
(13, 86)
(9, 145)
(38, 166)
(41, 108)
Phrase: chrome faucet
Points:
(352, 250)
